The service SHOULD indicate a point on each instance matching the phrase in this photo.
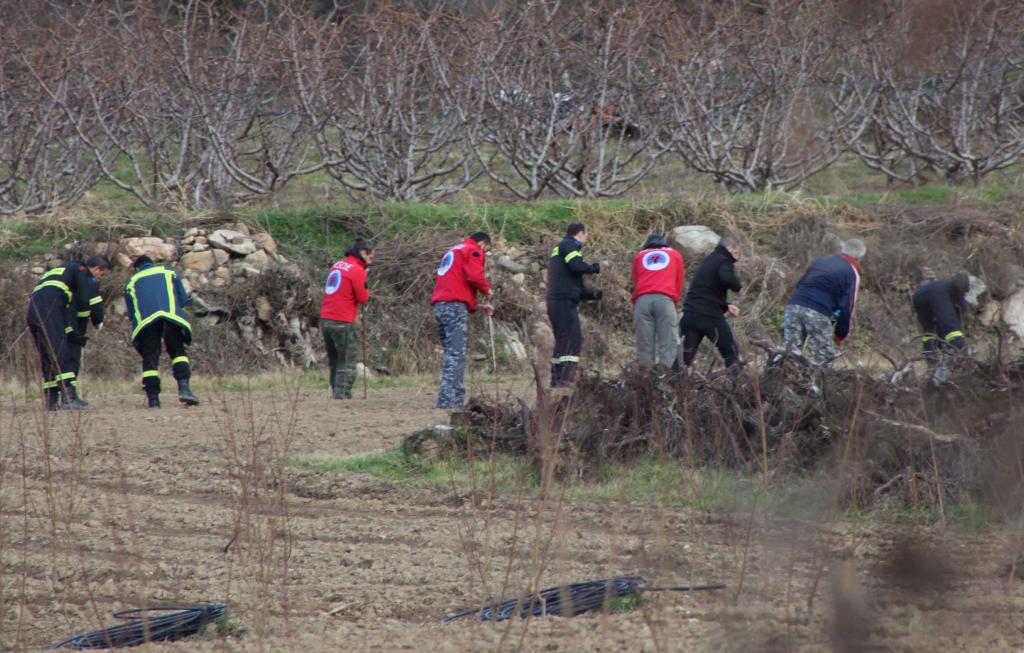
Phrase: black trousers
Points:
(695, 327)
(565, 322)
(174, 337)
(48, 322)
(940, 326)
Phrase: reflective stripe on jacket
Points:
(155, 293)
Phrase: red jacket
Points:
(658, 270)
(345, 290)
(460, 275)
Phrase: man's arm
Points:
(474, 270)
(727, 275)
(574, 259)
(360, 288)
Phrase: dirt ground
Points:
(121, 507)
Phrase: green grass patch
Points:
(503, 473)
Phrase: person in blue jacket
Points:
(820, 311)
(156, 298)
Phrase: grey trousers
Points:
(655, 318)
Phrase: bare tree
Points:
(562, 97)
(951, 83)
(237, 79)
(379, 90)
(43, 162)
(759, 100)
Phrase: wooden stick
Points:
(366, 370)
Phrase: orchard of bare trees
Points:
(198, 103)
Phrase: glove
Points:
(76, 338)
(593, 294)
(595, 268)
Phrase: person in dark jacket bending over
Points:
(657, 285)
(460, 276)
(940, 306)
(345, 291)
(821, 308)
(61, 294)
(82, 317)
(156, 298)
(706, 305)
(566, 268)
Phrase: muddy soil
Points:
(121, 507)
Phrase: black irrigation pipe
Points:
(182, 622)
(571, 600)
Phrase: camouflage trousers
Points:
(342, 343)
(808, 330)
(452, 329)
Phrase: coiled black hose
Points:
(570, 600)
(141, 627)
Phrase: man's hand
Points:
(734, 310)
(595, 268)
(99, 327)
(487, 309)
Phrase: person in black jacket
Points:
(940, 306)
(566, 268)
(61, 293)
(706, 304)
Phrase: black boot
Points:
(185, 395)
(70, 400)
(152, 398)
(52, 399)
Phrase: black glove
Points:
(595, 268)
(76, 338)
(592, 294)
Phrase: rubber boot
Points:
(185, 395)
(152, 398)
(70, 400)
(52, 399)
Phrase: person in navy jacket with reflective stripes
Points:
(820, 311)
(60, 294)
(156, 300)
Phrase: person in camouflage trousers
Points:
(460, 276)
(345, 291)
(820, 311)
(808, 330)
(452, 328)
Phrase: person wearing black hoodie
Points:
(706, 304)
(940, 306)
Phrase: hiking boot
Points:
(152, 399)
(52, 399)
(185, 395)
(70, 401)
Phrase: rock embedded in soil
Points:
(232, 241)
(695, 240)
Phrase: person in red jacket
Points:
(460, 276)
(657, 285)
(345, 291)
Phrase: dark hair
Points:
(481, 237)
(142, 260)
(655, 240)
(101, 262)
(575, 228)
(360, 246)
